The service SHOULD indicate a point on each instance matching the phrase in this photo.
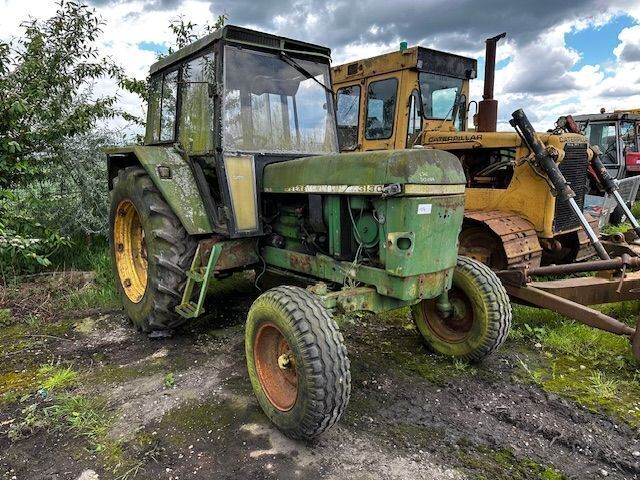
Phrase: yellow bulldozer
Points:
(419, 96)
(524, 192)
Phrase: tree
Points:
(188, 32)
(46, 98)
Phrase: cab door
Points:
(378, 118)
(348, 108)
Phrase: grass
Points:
(592, 367)
(103, 293)
(504, 465)
(55, 377)
(81, 416)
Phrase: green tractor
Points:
(240, 170)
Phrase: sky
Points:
(558, 57)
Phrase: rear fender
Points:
(174, 178)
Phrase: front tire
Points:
(481, 319)
(151, 252)
(297, 362)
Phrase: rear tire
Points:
(142, 225)
(482, 315)
(297, 362)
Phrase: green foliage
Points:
(188, 32)
(6, 319)
(46, 79)
(103, 293)
(79, 415)
(52, 183)
(56, 377)
(169, 380)
(27, 244)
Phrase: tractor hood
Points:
(415, 172)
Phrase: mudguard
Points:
(176, 182)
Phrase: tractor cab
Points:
(233, 102)
(617, 135)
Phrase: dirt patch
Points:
(412, 415)
(39, 295)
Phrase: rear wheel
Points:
(481, 315)
(151, 252)
(297, 362)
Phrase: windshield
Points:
(604, 136)
(439, 96)
(269, 105)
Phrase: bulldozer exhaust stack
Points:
(488, 106)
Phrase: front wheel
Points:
(297, 362)
(481, 316)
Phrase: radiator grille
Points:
(574, 169)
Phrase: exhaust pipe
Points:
(488, 106)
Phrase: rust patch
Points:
(300, 263)
(516, 234)
(235, 253)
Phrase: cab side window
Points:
(168, 106)
(348, 114)
(153, 112)
(415, 119)
(196, 104)
(381, 108)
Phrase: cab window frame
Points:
(183, 92)
(415, 99)
(174, 69)
(395, 106)
(356, 143)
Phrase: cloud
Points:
(629, 48)
(538, 70)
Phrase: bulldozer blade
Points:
(581, 313)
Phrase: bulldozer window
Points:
(168, 106)
(196, 104)
(442, 98)
(415, 119)
(381, 109)
(604, 136)
(269, 105)
(348, 113)
(628, 136)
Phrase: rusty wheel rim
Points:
(130, 251)
(456, 327)
(276, 367)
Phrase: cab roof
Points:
(241, 35)
(611, 117)
(418, 58)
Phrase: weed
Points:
(55, 377)
(31, 421)
(6, 319)
(80, 415)
(169, 380)
(103, 293)
(601, 387)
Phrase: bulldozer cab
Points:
(617, 136)
(233, 102)
(385, 102)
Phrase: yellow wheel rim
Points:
(130, 251)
